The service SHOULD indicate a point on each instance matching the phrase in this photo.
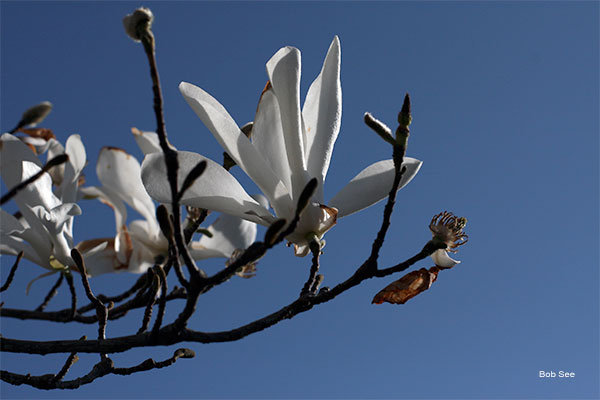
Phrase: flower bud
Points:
(35, 114)
(138, 22)
(404, 117)
(379, 127)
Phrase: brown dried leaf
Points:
(42, 133)
(407, 287)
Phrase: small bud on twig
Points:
(138, 23)
(273, 231)
(164, 220)
(191, 177)
(34, 115)
(306, 194)
(404, 120)
(379, 127)
(184, 353)
(404, 117)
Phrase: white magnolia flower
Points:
(289, 147)
(136, 246)
(447, 229)
(45, 231)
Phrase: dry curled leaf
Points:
(407, 287)
(42, 133)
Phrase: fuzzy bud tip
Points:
(138, 22)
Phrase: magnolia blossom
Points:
(136, 246)
(289, 146)
(45, 231)
(447, 229)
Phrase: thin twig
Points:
(104, 367)
(65, 316)
(315, 248)
(11, 274)
(72, 359)
(69, 279)
(163, 299)
(101, 309)
(151, 364)
(53, 291)
(173, 333)
(151, 300)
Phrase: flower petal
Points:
(72, 170)
(12, 153)
(237, 145)
(372, 185)
(121, 173)
(228, 234)
(267, 136)
(38, 192)
(147, 141)
(322, 113)
(14, 237)
(284, 74)
(100, 256)
(216, 189)
(442, 259)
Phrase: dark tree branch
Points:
(315, 248)
(151, 364)
(163, 299)
(104, 367)
(101, 309)
(11, 274)
(65, 316)
(151, 300)
(173, 333)
(53, 291)
(69, 279)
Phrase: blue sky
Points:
(505, 118)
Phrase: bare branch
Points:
(11, 274)
(53, 291)
(315, 248)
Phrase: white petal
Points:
(76, 152)
(372, 185)
(442, 259)
(267, 136)
(121, 172)
(322, 114)
(147, 141)
(55, 223)
(37, 193)
(216, 189)
(55, 219)
(99, 256)
(107, 196)
(284, 73)
(40, 145)
(77, 159)
(141, 260)
(11, 245)
(55, 148)
(143, 232)
(12, 153)
(232, 139)
(228, 234)
(14, 232)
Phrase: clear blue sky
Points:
(505, 118)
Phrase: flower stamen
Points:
(448, 229)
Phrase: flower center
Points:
(448, 229)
